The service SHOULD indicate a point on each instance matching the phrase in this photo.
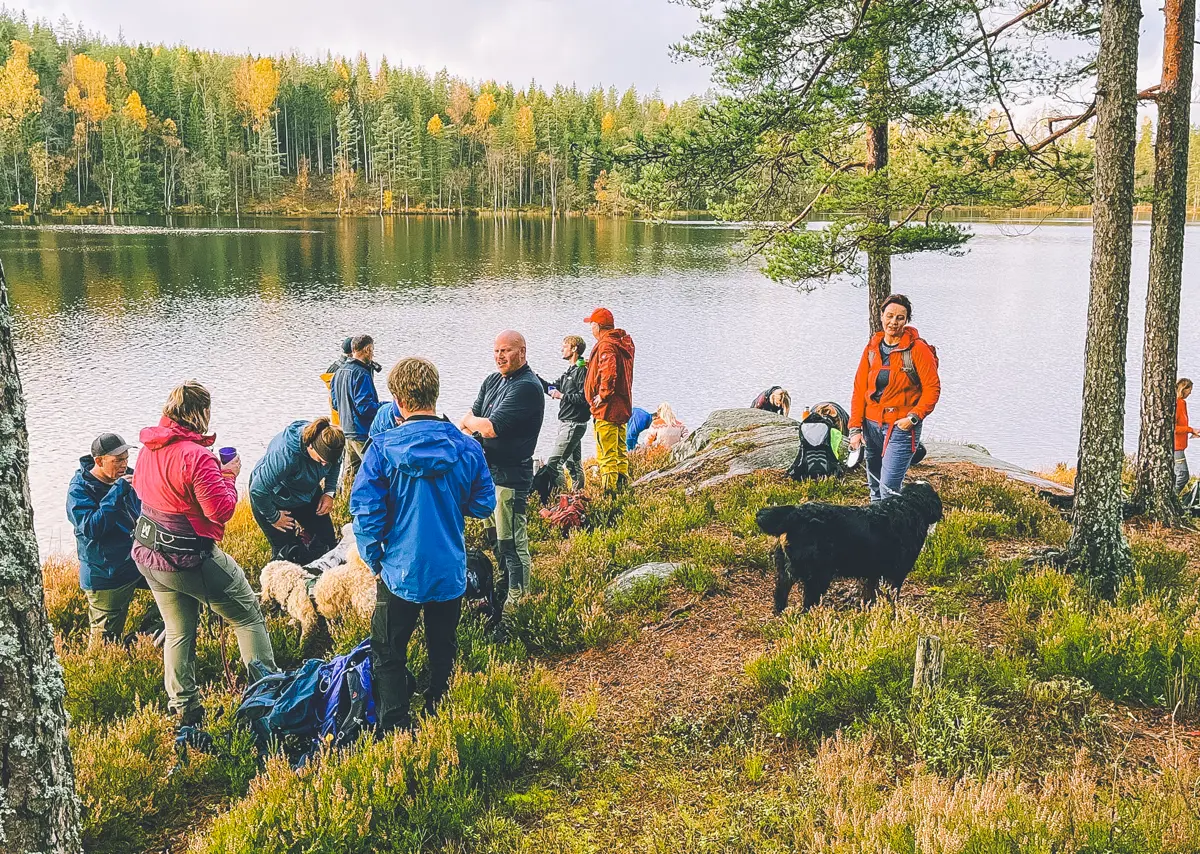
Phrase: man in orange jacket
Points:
(608, 389)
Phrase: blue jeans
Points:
(888, 456)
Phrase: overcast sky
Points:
(585, 42)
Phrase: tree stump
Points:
(927, 669)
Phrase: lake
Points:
(109, 318)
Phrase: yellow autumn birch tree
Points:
(19, 98)
(87, 98)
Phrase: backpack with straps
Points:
(815, 457)
(319, 700)
(906, 360)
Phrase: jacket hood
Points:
(291, 436)
(420, 448)
(86, 462)
(907, 338)
(620, 339)
(168, 431)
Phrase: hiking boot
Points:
(622, 482)
(193, 717)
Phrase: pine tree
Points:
(1098, 544)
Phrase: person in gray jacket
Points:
(292, 489)
(573, 415)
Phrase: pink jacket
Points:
(177, 473)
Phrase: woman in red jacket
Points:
(1183, 432)
(895, 390)
(187, 496)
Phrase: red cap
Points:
(602, 316)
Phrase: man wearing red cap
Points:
(609, 391)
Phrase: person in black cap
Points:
(103, 507)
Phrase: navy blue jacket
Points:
(515, 405)
(288, 477)
(352, 394)
(102, 515)
(416, 484)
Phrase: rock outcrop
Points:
(733, 442)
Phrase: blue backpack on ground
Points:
(302, 708)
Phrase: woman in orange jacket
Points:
(1183, 432)
(895, 390)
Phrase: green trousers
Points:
(219, 583)
(109, 609)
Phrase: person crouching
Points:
(292, 490)
(416, 483)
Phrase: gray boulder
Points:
(626, 581)
(733, 442)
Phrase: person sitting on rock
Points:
(665, 430)
(775, 399)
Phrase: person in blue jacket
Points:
(292, 489)
(417, 483)
(353, 397)
(386, 418)
(103, 508)
(638, 422)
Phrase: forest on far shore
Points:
(88, 123)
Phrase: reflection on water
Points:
(109, 319)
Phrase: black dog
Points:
(821, 542)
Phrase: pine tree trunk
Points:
(1098, 543)
(1155, 478)
(38, 807)
(879, 257)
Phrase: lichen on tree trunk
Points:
(1098, 545)
(38, 807)
(1155, 492)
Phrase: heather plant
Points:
(992, 492)
(406, 792)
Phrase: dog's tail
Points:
(774, 520)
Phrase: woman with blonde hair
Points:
(665, 431)
(292, 489)
(1183, 432)
(188, 495)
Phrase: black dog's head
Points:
(924, 499)
(775, 520)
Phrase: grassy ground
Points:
(683, 716)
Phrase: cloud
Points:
(612, 43)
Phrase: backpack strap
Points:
(910, 367)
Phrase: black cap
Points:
(109, 445)
(346, 345)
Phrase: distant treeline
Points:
(88, 122)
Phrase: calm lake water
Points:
(110, 318)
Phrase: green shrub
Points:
(992, 492)
(107, 681)
(1161, 567)
(645, 596)
(698, 580)
(1129, 653)
(957, 543)
(403, 794)
(129, 789)
(996, 576)
(830, 668)
(66, 606)
(954, 732)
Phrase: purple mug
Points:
(227, 455)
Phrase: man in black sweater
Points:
(506, 418)
(573, 415)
